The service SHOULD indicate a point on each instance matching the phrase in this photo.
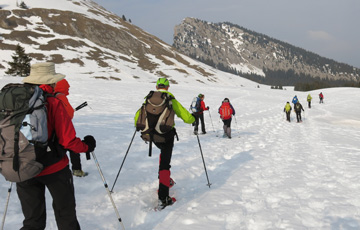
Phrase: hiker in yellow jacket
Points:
(309, 98)
(167, 144)
(287, 110)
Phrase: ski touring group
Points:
(298, 107)
(37, 132)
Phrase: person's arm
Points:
(69, 109)
(182, 113)
(202, 106)
(63, 127)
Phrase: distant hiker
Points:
(200, 115)
(226, 110)
(61, 92)
(164, 141)
(295, 100)
(298, 107)
(321, 97)
(309, 98)
(287, 110)
(56, 175)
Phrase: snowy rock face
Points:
(235, 48)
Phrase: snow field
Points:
(271, 175)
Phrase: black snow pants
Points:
(31, 194)
(164, 164)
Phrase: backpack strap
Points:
(150, 145)
(149, 96)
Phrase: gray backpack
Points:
(23, 131)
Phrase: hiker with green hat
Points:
(163, 139)
(199, 114)
(56, 176)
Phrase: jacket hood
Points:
(62, 87)
(47, 88)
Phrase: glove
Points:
(90, 142)
(208, 107)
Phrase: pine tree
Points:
(23, 5)
(21, 63)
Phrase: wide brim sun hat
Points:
(43, 73)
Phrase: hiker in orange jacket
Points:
(226, 110)
(61, 92)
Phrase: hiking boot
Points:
(204, 132)
(166, 202)
(79, 173)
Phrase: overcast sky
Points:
(330, 28)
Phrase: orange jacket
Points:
(61, 91)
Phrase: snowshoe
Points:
(165, 202)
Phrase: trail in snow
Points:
(271, 175)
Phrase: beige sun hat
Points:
(43, 73)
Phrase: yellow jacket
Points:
(309, 97)
(287, 107)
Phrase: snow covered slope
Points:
(271, 175)
(86, 40)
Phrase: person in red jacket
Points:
(321, 97)
(226, 111)
(56, 175)
(200, 115)
(62, 91)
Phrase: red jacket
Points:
(61, 91)
(202, 106)
(59, 122)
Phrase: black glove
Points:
(208, 107)
(90, 142)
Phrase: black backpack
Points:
(156, 117)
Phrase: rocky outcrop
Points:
(234, 48)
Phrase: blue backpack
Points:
(195, 105)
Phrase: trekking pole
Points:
(211, 121)
(236, 122)
(123, 162)
(81, 106)
(107, 189)
(6, 206)
(197, 135)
